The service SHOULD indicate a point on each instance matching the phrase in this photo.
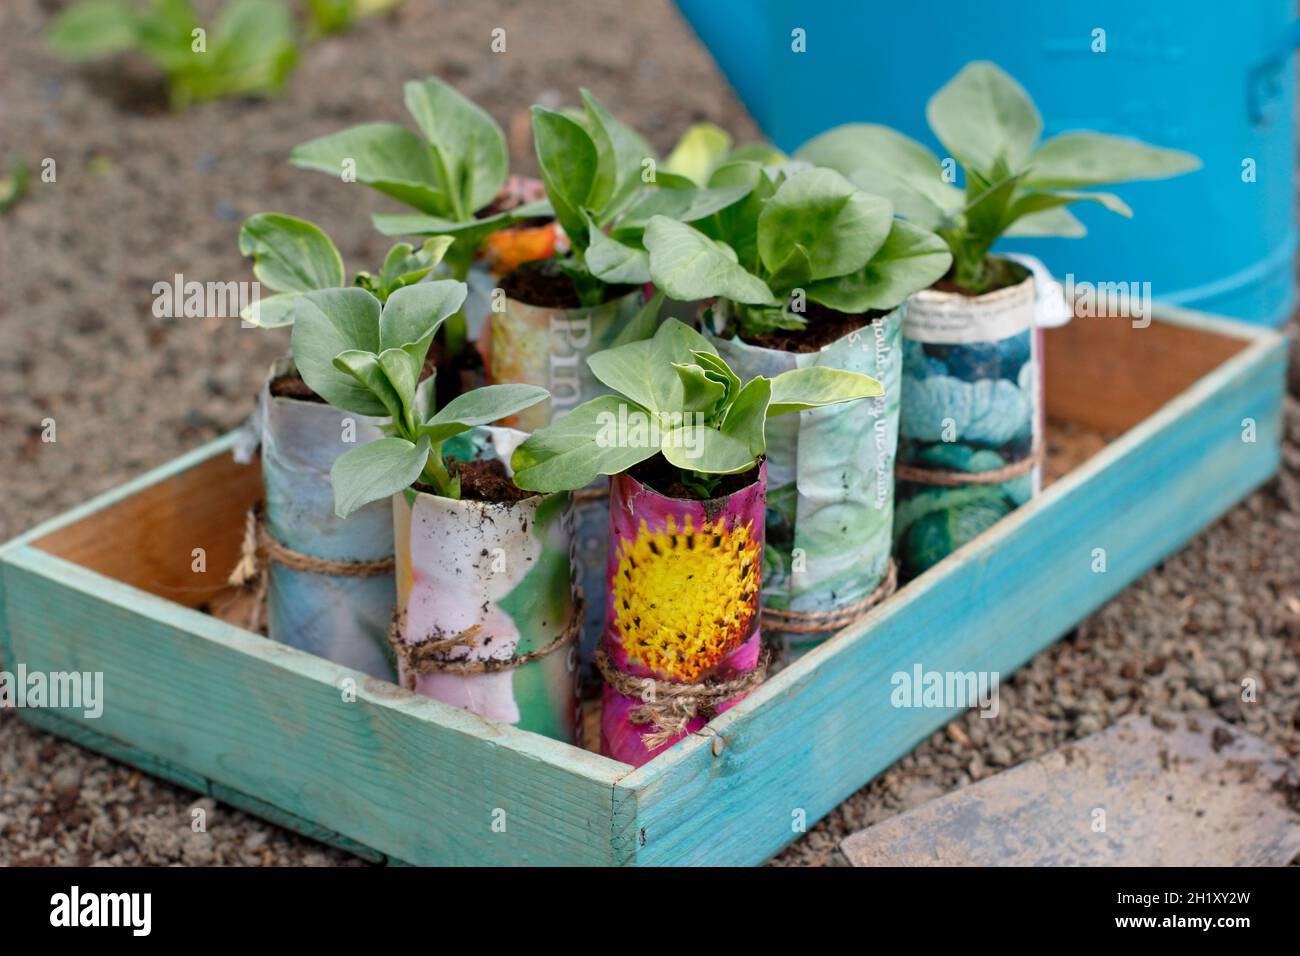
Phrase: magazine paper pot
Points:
(340, 617)
(494, 583)
(549, 347)
(830, 482)
(972, 406)
(682, 602)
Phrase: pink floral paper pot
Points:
(682, 602)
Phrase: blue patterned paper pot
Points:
(340, 616)
(830, 498)
(971, 435)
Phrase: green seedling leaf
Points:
(816, 386)
(701, 392)
(413, 314)
(700, 151)
(879, 160)
(404, 265)
(376, 470)
(385, 156)
(1083, 159)
(568, 158)
(326, 324)
(373, 372)
(1059, 222)
(748, 415)
(584, 444)
(838, 226)
(469, 150)
(620, 151)
(688, 265)
(290, 254)
(94, 29)
(466, 234)
(699, 449)
(482, 406)
(643, 324)
(612, 261)
(983, 116)
(911, 259)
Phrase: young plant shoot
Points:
(597, 173)
(675, 397)
(1015, 186)
(366, 358)
(705, 147)
(450, 175)
(249, 51)
(799, 234)
(292, 256)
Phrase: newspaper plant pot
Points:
(342, 618)
(830, 476)
(536, 345)
(549, 347)
(682, 602)
(503, 574)
(972, 403)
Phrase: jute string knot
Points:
(429, 656)
(816, 622)
(260, 549)
(669, 707)
(955, 479)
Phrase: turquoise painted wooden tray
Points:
(391, 776)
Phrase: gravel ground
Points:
(142, 194)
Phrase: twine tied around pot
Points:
(668, 706)
(815, 622)
(260, 549)
(426, 657)
(955, 479)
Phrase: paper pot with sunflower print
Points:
(683, 599)
(684, 441)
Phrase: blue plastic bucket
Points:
(1187, 74)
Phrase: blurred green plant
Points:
(249, 51)
(14, 185)
(331, 16)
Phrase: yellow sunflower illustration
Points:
(685, 599)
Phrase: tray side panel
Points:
(233, 714)
(825, 726)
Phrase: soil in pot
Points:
(290, 384)
(825, 327)
(1005, 274)
(534, 284)
(483, 479)
(660, 475)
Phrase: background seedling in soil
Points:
(331, 16)
(365, 357)
(709, 424)
(249, 51)
(1014, 185)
